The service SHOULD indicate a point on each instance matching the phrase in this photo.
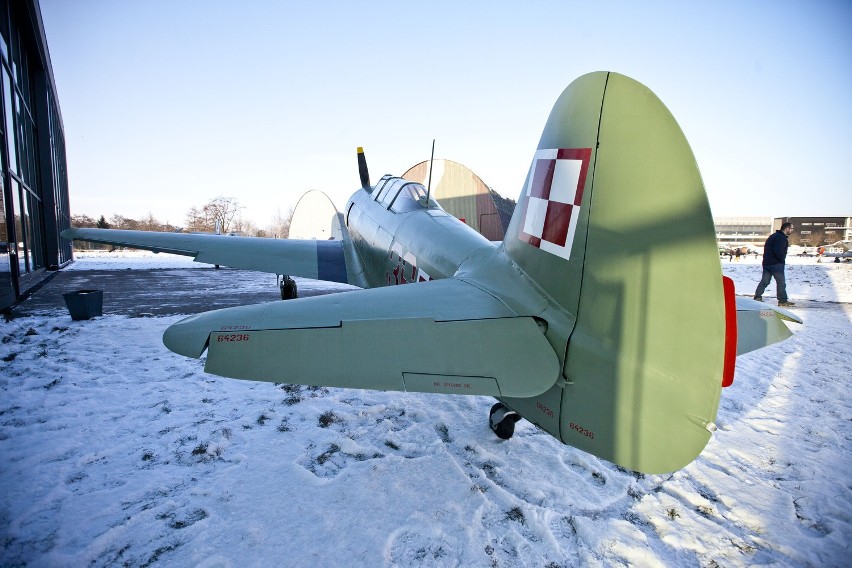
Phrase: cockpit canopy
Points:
(401, 195)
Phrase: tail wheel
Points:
(289, 291)
(502, 420)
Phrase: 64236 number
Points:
(233, 337)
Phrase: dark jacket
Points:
(775, 249)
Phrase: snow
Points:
(116, 451)
(122, 259)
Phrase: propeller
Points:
(362, 170)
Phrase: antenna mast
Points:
(429, 183)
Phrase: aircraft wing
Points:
(444, 336)
(320, 260)
(759, 324)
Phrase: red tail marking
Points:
(730, 332)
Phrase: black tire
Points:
(502, 420)
(289, 290)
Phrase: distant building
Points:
(34, 203)
(742, 230)
(464, 195)
(817, 231)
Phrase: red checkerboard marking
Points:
(554, 195)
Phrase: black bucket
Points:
(85, 304)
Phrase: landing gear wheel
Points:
(502, 420)
(288, 289)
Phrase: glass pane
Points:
(18, 247)
(7, 290)
(407, 200)
(35, 244)
(393, 188)
(382, 190)
(380, 186)
(13, 44)
(21, 137)
(16, 56)
(4, 233)
(25, 146)
(27, 224)
(31, 153)
(4, 31)
(9, 108)
(24, 83)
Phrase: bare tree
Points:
(279, 228)
(119, 222)
(218, 213)
(150, 223)
(195, 221)
(245, 227)
(83, 221)
(223, 211)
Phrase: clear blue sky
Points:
(168, 104)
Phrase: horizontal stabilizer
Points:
(500, 357)
(759, 324)
(443, 336)
(317, 259)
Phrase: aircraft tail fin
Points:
(614, 225)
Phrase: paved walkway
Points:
(158, 292)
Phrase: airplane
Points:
(837, 250)
(732, 249)
(602, 317)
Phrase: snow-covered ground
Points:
(115, 451)
(135, 259)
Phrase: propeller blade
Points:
(362, 169)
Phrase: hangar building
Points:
(742, 230)
(465, 196)
(810, 231)
(34, 203)
(817, 231)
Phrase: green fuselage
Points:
(416, 245)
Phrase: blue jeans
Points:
(774, 271)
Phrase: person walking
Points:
(774, 258)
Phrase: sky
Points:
(167, 105)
